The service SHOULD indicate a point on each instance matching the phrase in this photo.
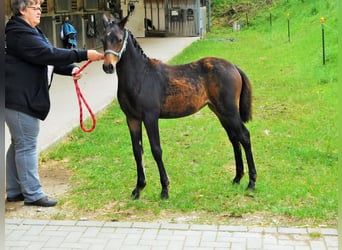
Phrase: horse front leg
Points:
(135, 130)
(152, 128)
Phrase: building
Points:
(147, 18)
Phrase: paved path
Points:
(97, 235)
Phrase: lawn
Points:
(293, 131)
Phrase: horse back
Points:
(189, 87)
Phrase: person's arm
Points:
(71, 69)
(37, 50)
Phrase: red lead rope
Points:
(80, 99)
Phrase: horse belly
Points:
(183, 99)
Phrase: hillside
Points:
(256, 13)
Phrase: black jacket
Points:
(28, 52)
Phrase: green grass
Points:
(294, 132)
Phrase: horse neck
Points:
(133, 59)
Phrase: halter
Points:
(123, 48)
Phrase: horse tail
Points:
(245, 98)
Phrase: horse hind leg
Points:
(238, 161)
(239, 135)
(246, 143)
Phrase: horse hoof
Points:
(251, 186)
(135, 195)
(164, 195)
(236, 181)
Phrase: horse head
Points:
(114, 41)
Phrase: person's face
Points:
(32, 14)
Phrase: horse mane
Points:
(136, 44)
(138, 47)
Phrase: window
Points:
(62, 6)
(44, 8)
(90, 5)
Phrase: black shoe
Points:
(19, 197)
(43, 202)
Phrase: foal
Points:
(149, 89)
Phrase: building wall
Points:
(82, 14)
(169, 18)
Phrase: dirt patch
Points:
(56, 183)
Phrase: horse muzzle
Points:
(108, 68)
(109, 63)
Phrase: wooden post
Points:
(323, 42)
(288, 27)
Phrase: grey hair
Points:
(18, 5)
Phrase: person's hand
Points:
(76, 76)
(93, 55)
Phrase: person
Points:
(30, 62)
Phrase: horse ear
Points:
(124, 21)
(105, 20)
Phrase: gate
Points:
(171, 17)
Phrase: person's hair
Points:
(18, 5)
